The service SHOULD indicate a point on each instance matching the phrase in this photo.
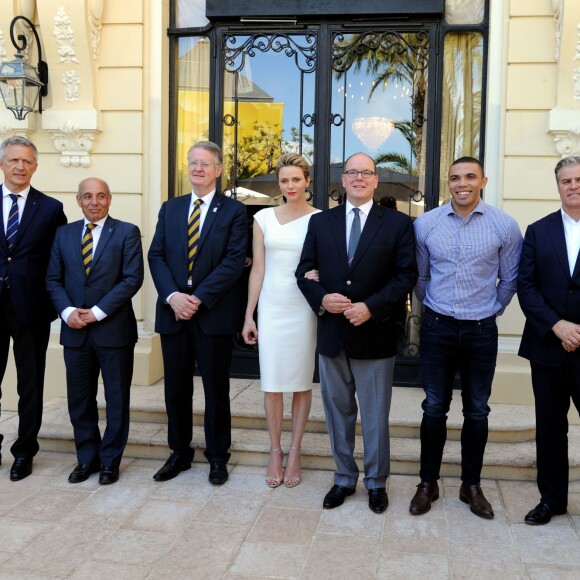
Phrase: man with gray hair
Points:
(29, 222)
(549, 294)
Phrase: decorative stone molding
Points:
(72, 82)
(74, 145)
(64, 35)
(565, 128)
(558, 9)
(3, 55)
(576, 81)
(577, 56)
(95, 25)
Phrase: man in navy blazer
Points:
(25, 308)
(549, 294)
(199, 308)
(357, 301)
(91, 280)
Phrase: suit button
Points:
(348, 282)
(9, 259)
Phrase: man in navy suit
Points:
(29, 222)
(196, 259)
(365, 257)
(549, 294)
(96, 267)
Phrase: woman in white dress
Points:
(287, 325)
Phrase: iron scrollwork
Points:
(304, 54)
(411, 48)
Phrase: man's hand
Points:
(184, 305)
(358, 313)
(75, 320)
(336, 303)
(568, 333)
(86, 315)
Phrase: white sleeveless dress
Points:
(286, 323)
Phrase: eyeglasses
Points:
(202, 164)
(353, 173)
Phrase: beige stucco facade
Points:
(108, 107)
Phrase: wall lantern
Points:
(21, 85)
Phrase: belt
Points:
(461, 321)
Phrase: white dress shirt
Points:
(572, 233)
(7, 203)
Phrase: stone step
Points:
(507, 423)
(506, 458)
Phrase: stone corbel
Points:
(73, 137)
(72, 40)
(564, 118)
(564, 125)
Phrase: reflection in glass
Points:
(192, 102)
(461, 106)
(464, 11)
(268, 110)
(379, 108)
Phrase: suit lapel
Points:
(558, 240)
(371, 226)
(30, 208)
(75, 233)
(210, 217)
(108, 229)
(338, 227)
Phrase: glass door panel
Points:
(268, 110)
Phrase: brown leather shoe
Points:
(473, 495)
(426, 493)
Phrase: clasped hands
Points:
(184, 305)
(568, 333)
(80, 317)
(357, 313)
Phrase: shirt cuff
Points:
(98, 313)
(66, 313)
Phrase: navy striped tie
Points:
(193, 234)
(12, 226)
(87, 248)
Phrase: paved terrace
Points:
(187, 528)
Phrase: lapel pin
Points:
(214, 209)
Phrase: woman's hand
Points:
(250, 332)
(312, 275)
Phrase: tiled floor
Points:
(187, 528)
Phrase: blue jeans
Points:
(447, 346)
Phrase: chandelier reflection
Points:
(372, 132)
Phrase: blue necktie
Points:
(354, 234)
(12, 226)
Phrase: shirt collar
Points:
(101, 222)
(568, 218)
(479, 208)
(207, 199)
(24, 193)
(365, 207)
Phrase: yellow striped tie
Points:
(87, 248)
(193, 234)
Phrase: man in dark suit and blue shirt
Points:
(467, 254)
(365, 257)
(549, 294)
(96, 267)
(196, 259)
(29, 222)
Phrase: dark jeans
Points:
(447, 346)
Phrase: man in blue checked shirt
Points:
(467, 254)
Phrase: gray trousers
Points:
(342, 378)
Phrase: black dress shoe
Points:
(378, 500)
(542, 514)
(82, 471)
(218, 473)
(21, 468)
(173, 467)
(109, 474)
(426, 493)
(336, 496)
(479, 506)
